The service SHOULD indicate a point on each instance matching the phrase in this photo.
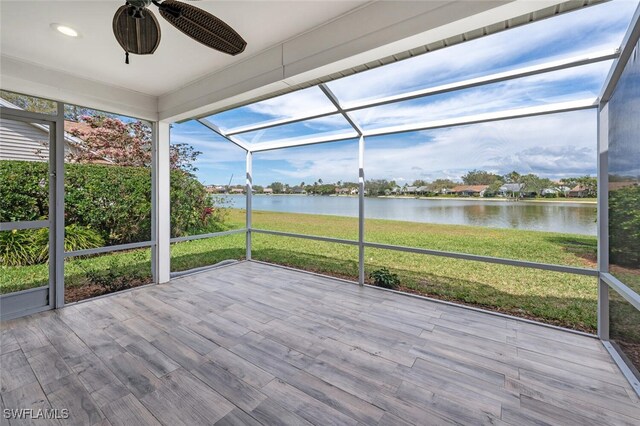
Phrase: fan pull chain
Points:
(126, 57)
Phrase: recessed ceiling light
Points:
(68, 31)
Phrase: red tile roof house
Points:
(470, 190)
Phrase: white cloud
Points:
(551, 146)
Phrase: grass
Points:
(561, 299)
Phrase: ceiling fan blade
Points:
(136, 35)
(202, 27)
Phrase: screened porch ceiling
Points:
(548, 66)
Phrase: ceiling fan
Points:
(137, 30)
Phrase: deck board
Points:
(252, 343)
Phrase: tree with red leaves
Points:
(109, 139)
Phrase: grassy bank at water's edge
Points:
(562, 299)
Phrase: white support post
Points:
(57, 224)
(603, 220)
(162, 198)
(249, 190)
(361, 211)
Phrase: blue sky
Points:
(553, 146)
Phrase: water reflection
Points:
(568, 217)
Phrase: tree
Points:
(125, 144)
(513, 177)
(480, 177)
(319, 181)
(379, 186)
(277, 187)
(439, 184)
(590, 183)
(533, 183)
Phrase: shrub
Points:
(122, 273)
(115, 201)
(384, 278)
(624, 226)
(31, 246)
(17, 248)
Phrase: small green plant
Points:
(384, 278)
(31, 247)
(17, 248)
(121, 273)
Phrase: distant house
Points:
(237, 191)
(613, 186)
(422, 190)
(267, 191)
(353, 191)
(216, 189)
(578, 191)
(343, 191)
(409, 189)
(470, 190)
(299, 190)
(22, 140)
(514, 190)
(396, 190)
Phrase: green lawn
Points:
(562, 299)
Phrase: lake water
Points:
(568, 217)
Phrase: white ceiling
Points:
(26, 34)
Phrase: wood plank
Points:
(271, 413)
(237, 417)
(243, 395)
(182, 399)
(178, 352)
(305, 406)
(128, 411)
(68, 393)
(29, 396)
(133, 374)
(15, 372)
(241, 368)
(47, 364)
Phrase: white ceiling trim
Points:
(31, 79)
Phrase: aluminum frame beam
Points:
(217, 130)
(629, 42)
(571, 62)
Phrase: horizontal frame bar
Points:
(434, 300)
(108, 249)
(574, 61)
(22, 115)
(624, 291)
(489, 116)
(210, 235)
(268, 146)
(307, 237)
(556, 108)
(489, 259)
(276, 123)
(27, 224)
(473, 257)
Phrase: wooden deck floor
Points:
(257, 344)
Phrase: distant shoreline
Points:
(493, 199)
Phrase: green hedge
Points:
(624, 226)
(113, 200)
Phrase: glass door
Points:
(27, 183)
